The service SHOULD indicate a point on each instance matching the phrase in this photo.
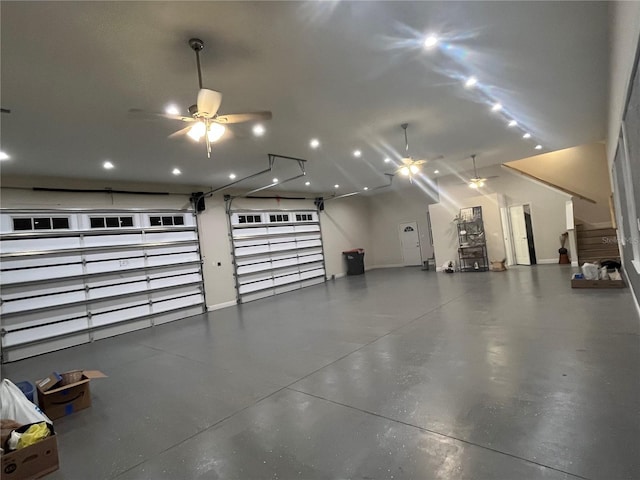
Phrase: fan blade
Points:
(420, 162)
(208, 102)
(143, 114)
(181, 132)
(407, 160)
(243, 117)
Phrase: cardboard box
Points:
(68, 398)
(49, 382)
(34, 461)
(582, 283)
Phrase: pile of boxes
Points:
(58, 395)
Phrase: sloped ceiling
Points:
(346, 73)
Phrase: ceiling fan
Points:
(204, 118)
(410, 167)
(477, 182)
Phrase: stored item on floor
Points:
(33, 461)
(34, 434)
(615, 275)
(611, 264)
(17, 407)
(50, 382)
(590, 271)
(71, 395)
(27, 388)
(355, 261)
(577, 282)
(6, 427)
(498, 266)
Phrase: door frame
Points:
(419, 242)
(510, 229)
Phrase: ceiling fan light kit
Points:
(410, 166)
(206, 122)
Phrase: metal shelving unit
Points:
(472, 247)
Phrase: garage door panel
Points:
(39, 244)
(175, 280)
(171, 236)
(113, 281)
(38, 289)
(269, 259)
(178, 303)
(38, 261)
(26, 304)
(44, 273)
(110, 240)
(118, 289)
(44, 331)
(114, 265)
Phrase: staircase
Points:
(596, 244)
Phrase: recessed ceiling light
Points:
(471, 81)
(108, 165)
(307, 183)
(275, 180)
(526, 135)
(314, 143)
(538, 147)
(336, 186)
(387, 160)
(176, 171)
(4, 156)
(512, 123)
(258, 130)
(436, 171)
(357, 153)
(431, 41)
(172, 110)
(496, 107)
(366, 188)
(232, 176)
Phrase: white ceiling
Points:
(346, 73)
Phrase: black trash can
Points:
(355, 261)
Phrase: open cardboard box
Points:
(68, 396)
(34, 461)
(584, 283)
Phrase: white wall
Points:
(547, 212)
(445, 231)
(582, 170)
(624, 39)
(344, 223)
(624, 31)
(388, 210)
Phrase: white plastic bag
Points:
(603, 274)
(590, 271)
(18, 407)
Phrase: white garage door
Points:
(71, 277)
(276, 252)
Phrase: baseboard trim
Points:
(218, 306)
(392, 265)
(633, 292)
(546, 261)
(574, 263)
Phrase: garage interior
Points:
(207, 278)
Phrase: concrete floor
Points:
(399, 373)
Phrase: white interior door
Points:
(519, 234)
(410, 243)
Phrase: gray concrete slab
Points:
(399, 372)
